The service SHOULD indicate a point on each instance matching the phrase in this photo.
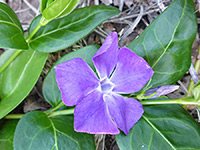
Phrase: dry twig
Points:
(116, 20)
(133, 25)
(32, 7)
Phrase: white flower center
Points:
(106, 86)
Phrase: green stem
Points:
(183, 101)
(52, 114)
(17, 52)
(33, 32)
(62, 112)
(14, 116)
(55, 108)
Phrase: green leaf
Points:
(19, 78)
(196, 91)
(43, 4)
(5, 56)
(35, 131)
(50, 89)
(166, 43)
(11, 32)
(34, 23)
(164, 127)
(57, 8)
(64, 32)
(7, 130)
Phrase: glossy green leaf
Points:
(166, 43)
(5, 56)
(19, 79)
(43, 4)
(196, 92)
(7, 130)
(163, 127)
(11, 32)
(63, 32)
(57, 8)
(35, 131)
(50, 89)
(34, 23)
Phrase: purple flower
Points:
(100, 108)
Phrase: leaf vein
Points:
(37, 135)
(69, 137)
(21, 76)
(176, 121)
(54, 132)
(152, 125)
(172, 36)
(5, 22)
(146, 52)
(11, 19)
(62, 28)
(154, 31)
(150, 142)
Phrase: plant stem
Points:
(62, 112)
(33, 32)
(183, 101)
(14, 116)
(17, 52)
(52, 114)
(55, 108)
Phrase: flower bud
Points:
(160, 91)
(52, 9)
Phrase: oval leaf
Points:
(11, 32)
(35, 131)
(164, 127)
(62, 8)
(64, 32)
(7, 130)
(50, 88)
(166, 43)
(34, 23)
(19, 78)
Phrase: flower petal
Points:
(91, 116)
(161, 90)
(106, 57)
(132, 72)
(75, 80)
(125, 111)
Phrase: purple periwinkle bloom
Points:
(100, 109)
